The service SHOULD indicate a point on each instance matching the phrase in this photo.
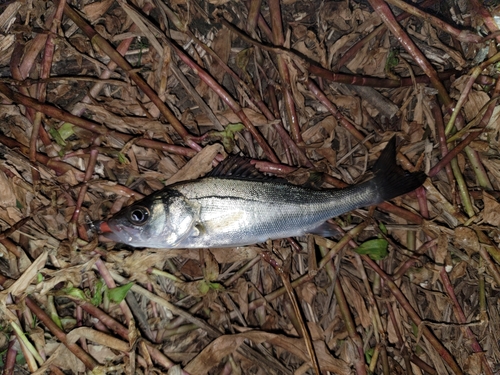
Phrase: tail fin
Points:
(390, 179)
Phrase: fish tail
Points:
(390, 180)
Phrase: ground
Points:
(310, 91)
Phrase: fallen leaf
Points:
(198, 166)
(222, 346)
(491, 212)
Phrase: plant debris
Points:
(105, 102)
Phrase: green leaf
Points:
(216, 286)
(369, 354)
(100, 288)
(383, 228)
(75, 293)
(55, 318)
(122, 158)
(20, 359)
(375, 249)
(119, 293)
(57, 137)
(392, 59)
(203, 287)
(64, 132)
(231, 129)
(226, 136)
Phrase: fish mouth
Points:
(117, 232)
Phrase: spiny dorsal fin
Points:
(241, 168)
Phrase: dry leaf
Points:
(321, 134)
(227, 344)
(96, 9)
(199, 165)
(8, 197)
(62, 358)
(491, 212)
(229, 117)
(465, 238)
(441, 249)
(21, 284)
(240, 294)
(307, 292)
(354, 298)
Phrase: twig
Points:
(87, 360)
(134, 76)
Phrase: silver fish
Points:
(235, 206)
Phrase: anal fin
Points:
(325, 229)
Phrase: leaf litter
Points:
(312, 91)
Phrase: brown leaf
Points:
(473, 364)
(371, 61)
(240, 294)
(321, 134)
(441, 249)
(227, 344)
(62, 358)
(229, 117)
(210, 266)
(198, 166)
(354, 298)
(307, 292)
(222, 47)
(7, 197)
(192, 268)
(466, 239)
(21, 284)
(491, 212)
(96, 9)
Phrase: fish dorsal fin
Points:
(241, 168)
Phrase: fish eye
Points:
(138, 215)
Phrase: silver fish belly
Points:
(237, 213)
(228, 211)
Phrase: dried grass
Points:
(318, 97)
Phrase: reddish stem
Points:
(443, 352)
(59, 167)
(383, 10)
(81, 195)
(10, 359)
(447, 158)
(226, 97)
(357, 46)
(83, 123)
(461, 35)
(484, 15)
(83, 356)
(459, 314)
(441, 138)
(114, 325)
(336, 113)
(132, 73)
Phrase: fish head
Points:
(161, 220)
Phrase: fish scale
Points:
(235, 210)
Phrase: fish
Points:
(236, 205)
